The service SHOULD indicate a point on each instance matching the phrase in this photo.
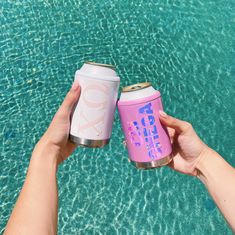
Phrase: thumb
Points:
(177, 124)
(70, 99)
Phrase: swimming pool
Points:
(185, 48)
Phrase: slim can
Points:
(147, 140)
(92, 119)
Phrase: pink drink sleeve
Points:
(147, 139)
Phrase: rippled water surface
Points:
(185, 48)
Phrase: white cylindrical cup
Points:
(92, 119)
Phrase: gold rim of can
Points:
(136, 87)
(102, 65)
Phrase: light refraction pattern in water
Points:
(185, 48)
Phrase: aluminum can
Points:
(147, 140)
(92, 119)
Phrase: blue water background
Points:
(185, 48)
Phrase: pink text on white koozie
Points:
(99, 106)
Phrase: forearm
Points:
(35, 211)
(219, 178)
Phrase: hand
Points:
(187, 147)
(55, 140)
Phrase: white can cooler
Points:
(92, 119)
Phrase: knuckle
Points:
(70, 95)
(171, 120)
(61, 114)
(188, 126)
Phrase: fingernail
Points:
(75, 86)
(162, 114)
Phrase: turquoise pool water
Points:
(185, 48)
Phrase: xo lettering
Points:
(90, 103)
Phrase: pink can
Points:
(147, 140)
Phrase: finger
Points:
(171, 164)
(70, 147)
(70, 99)
(169, 121)
(171, 131)
(67, 151)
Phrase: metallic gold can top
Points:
(102, 65)
(136, 87)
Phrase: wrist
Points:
(208, 163)
(45, 155)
